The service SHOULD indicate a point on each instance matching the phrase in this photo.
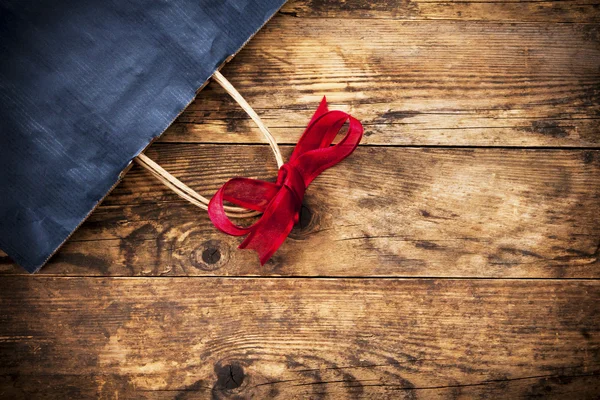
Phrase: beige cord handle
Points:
(242, 102)
(188, 193)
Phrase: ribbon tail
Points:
(273, 228)
(309, 139)
(322, 109)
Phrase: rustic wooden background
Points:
(454, 255)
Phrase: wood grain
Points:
(481, 161)
(298, 338)
(464, 10)
(383, 212)
(412, 83)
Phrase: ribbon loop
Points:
(281, 202)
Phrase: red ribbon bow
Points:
(280, 202)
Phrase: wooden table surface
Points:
(455, 254)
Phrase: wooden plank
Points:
(412, 83)
(384, 212)
(298, 338)
(464, 10)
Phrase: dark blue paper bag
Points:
(85, 86)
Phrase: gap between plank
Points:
(409, 146)
(297, 277)
(292, 14)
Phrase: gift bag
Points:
(86, 86)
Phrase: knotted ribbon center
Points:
(280, 202)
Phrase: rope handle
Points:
(189, 194)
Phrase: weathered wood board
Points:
(425, 83)
(463, 10)
(481, 161)
(383, 212)
(299, 338)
